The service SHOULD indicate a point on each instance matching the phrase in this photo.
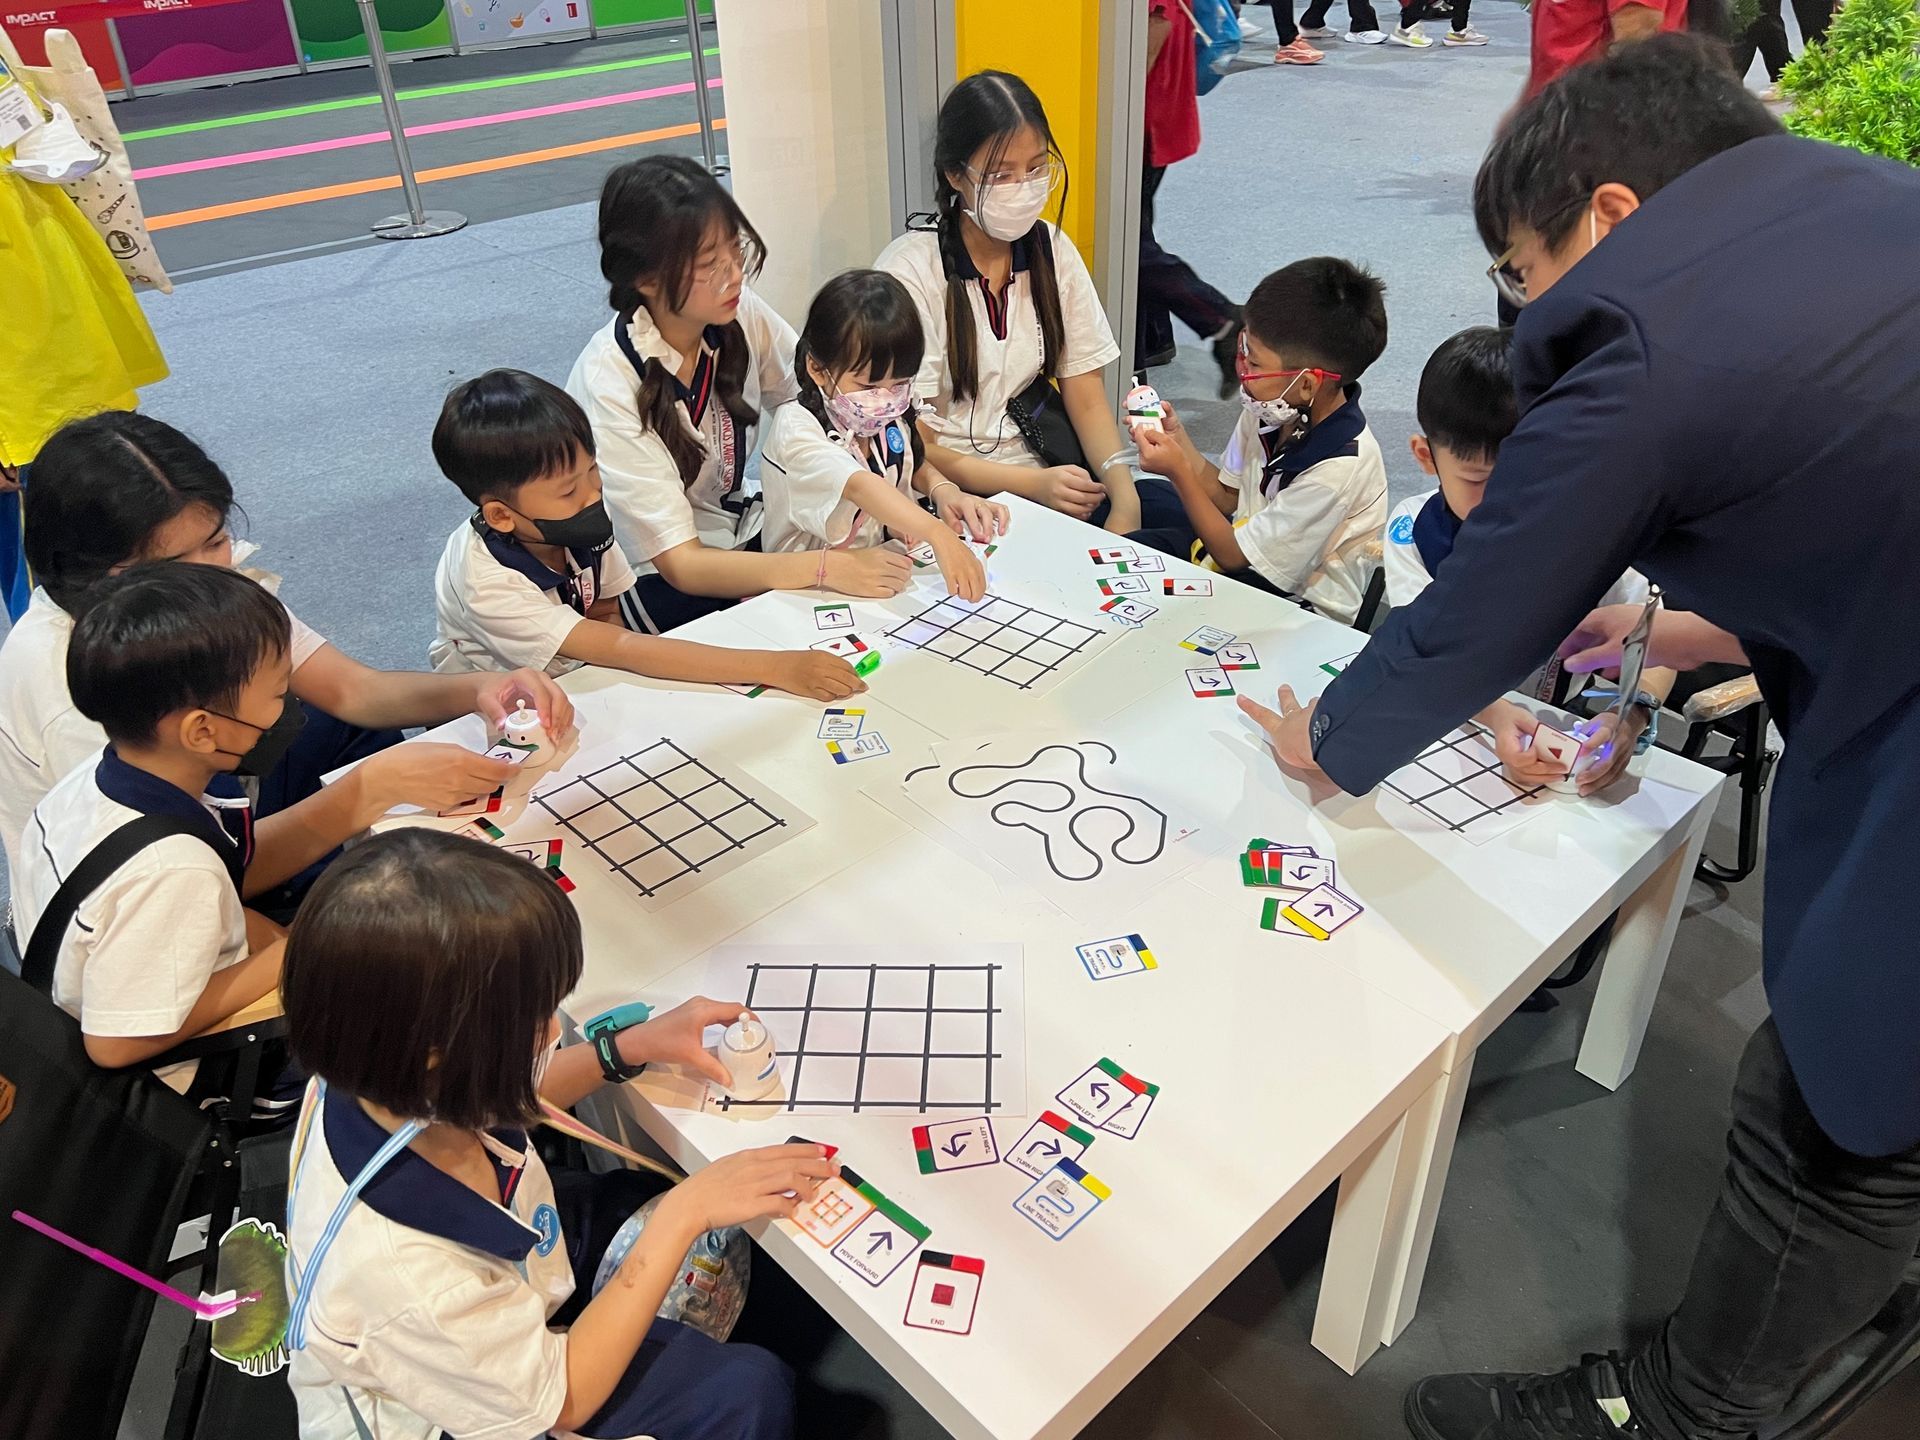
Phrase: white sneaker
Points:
(1410, 36)
(1316, 32)
(1364, 37)
(1468, 36)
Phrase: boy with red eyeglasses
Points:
(1300, 488)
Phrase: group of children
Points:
(433, 1257)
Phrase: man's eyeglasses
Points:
(1512, 288)
(1243, 366)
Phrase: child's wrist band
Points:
(935, 490)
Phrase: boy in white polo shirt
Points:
(187, 669)
(1300, 486)
(534, 577)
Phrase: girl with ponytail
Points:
(1011, 388)
(675, 387)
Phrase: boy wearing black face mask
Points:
(534, 578)
(1301, 486)
(186, 667)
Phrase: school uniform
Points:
(807, 470)
(1008, 349)
(42, 736)
(1419, 538)
(499, 607)
(141, 948)
(429, 1313)
(652, 509)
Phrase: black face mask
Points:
(274, 739)
(590, 530)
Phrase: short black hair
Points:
(100, 487)
(169, 637)
(505, 428)
(1641, 117)
(1325, 312)
(421, 974)
(1466, 398)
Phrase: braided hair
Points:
(655, 216)
(988, 109)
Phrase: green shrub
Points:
(1861, 85)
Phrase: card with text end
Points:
(954, 1145)
(1049, 1139)
(1100, 1092)
(1209, 684)
(1059, 1200)
(1113, 555)
(946, 1290)
(1122, 955)
(1207, 639)
(841, 724)
(1175, 586)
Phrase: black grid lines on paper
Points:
(997, 637)
(658, 816)
(917, 1037)
(1457, 780)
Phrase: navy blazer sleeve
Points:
(1576, 493)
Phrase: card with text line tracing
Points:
(1122, 955)
(1207, 639)
(1063, 1197)
(860, 747)
(841, 724)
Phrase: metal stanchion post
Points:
(715, 162)
(417, 223)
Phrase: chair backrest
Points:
(107, 1156)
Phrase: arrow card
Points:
(1048, 1140)
(954, 1145)
(1103, 1091)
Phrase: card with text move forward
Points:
(510, 752)
(833, 617)
(881, 1242)
(946, 1291)
(1321, 911)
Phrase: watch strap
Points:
(617, 1071)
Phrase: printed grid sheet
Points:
(666, 821)
(894, 1038)
(1458, 782)
(1024, 647)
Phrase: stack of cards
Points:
(864, 1231)
(1316, 914)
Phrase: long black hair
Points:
(990, 108)
(861, 320)
(655, 214)
(101, 486)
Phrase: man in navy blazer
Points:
(1719, 379)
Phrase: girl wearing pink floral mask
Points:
(844, 464)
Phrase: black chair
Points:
(120, 1161)
(1727, 703)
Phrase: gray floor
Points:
(1571, 1213)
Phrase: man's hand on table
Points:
(1289, 730)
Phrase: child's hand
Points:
(428, 774)
(678, 1037)
(1070, 490)
(1513, 727)
(813, 673)
(971, 515)
(1163, 451)
(959, 566)
(494, 695)
(772, 1180)
(1607, 747)
(870, 574)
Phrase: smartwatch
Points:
(606, 1045)
(1651, 733)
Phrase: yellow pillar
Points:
(1054, 45)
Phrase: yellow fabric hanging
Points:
(73, 338)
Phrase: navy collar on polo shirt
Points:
(413, 1192)
(1435, 529)
(1338, 434)
(965, 269)
(147, 793)
(510, 552)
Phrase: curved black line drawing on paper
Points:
(1069, 854)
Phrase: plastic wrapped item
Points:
(711, 1289)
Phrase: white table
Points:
(1283, 1063)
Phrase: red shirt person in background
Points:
(1567, 33)
(1168, 285)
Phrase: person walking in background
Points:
(1168, 285)
(1363, 25)
(1767, 36)
(1567, 33)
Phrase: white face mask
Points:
(1007, 209)
(543, 1062)
(1274, 414)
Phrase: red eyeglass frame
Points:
(1241, 360)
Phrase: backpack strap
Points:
(43, 950)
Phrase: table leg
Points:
(1636, 961)
(1373, 1218)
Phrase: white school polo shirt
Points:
(652, 510)
(430, 1308)
(1304, 506)
(1423, 528)
(140, 950)
(42, 735)
(805, 485)
(1007, 344)
(499, 608)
